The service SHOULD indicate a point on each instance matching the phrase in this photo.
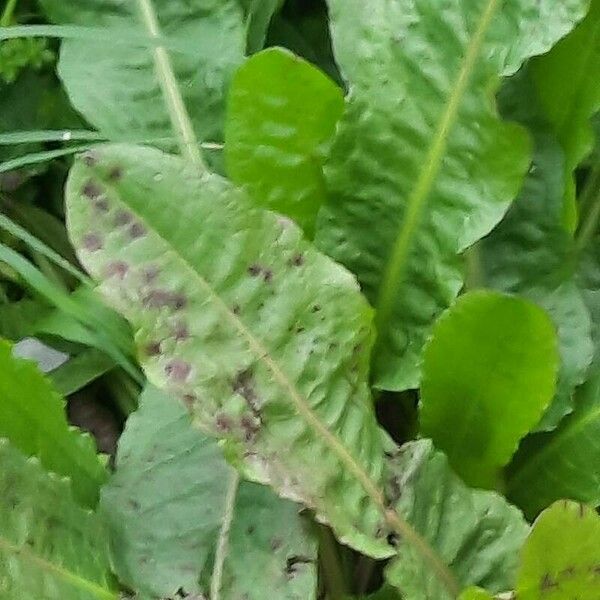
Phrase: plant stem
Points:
(221, 554)
(335, 584)
(180, 118)
(590, 208)
(8, 12)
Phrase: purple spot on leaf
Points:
(92, 242)
(92, 190)
(178, 370)
(137, 230)
(117, 269)
(123, 218)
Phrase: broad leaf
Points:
(281, 117)
(32, 417)
(531, 254)
(169, 505)
(476, 532)
(50, 548)
(561, 557)
(569, 108)
(564, 464)
(489, 373)
(421, 158)
(114, 85)
(266, 339)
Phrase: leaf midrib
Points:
(398, 524)
(388, 292)
(61, 573)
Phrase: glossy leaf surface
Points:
(488, 375)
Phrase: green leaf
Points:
(531, 254)
(169, 505)
(489, 373)
(80, 371)
(258, 17)
(114, 84)
(50, 547)
(563, 464)
(421, 154)
(20, 319)
(266, 339)
(33, 419)
(474, 593)
(477, 532)
(281, 117)
(569, 108)
(561, 557)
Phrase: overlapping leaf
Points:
(266, 339)
(32, 417)
(476, 532)
(563, 464)
(168, 506)
(489, 373)
(50, 547)
(569, 108)
(282, 114)
(114, 84)
(531, 254)
(561, 557)
(422, 166)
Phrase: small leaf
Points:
(281, 117)
(266, 339)
(166, 506)
(561, 557)
(488, 375)
(477, 532)
(50, 548)
(422, 166)
(569, 108)
(563, 464)
(33, 419)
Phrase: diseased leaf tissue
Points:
(325, 280)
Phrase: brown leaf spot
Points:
(164, 299)
(115, 174)
(189, 400)
(123, 218)
(179, 301)
(250, 426)
(178, 370)
(255, 270)
(150, 273)
(243, 384)
(297, 260)
(547, 583)
(92, 242)
(294, 564)
(92, 190)
(101, 204)
(236, 309)
(117, 268)
(152, 349)
(137, 230)
(268, 275)
(224, 423)
(316, 308)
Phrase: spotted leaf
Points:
(264, 338)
